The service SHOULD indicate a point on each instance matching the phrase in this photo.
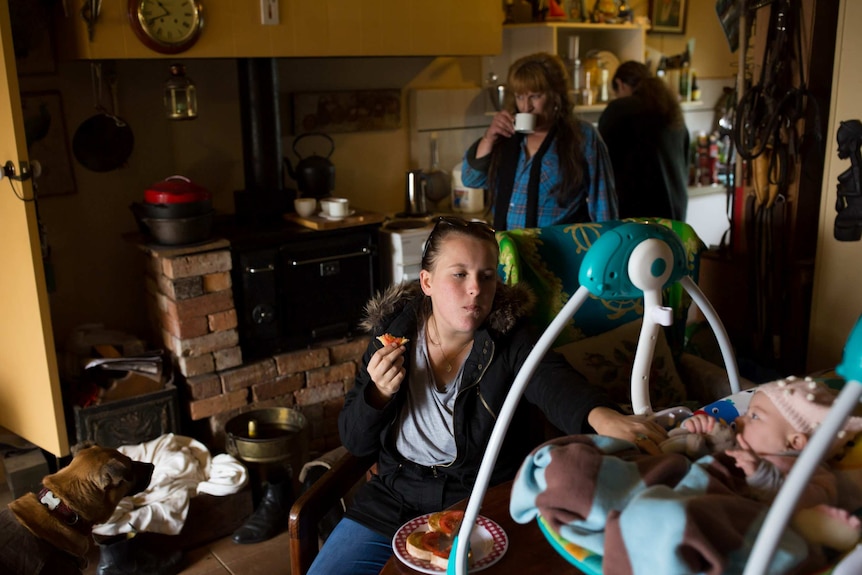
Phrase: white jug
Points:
(464, 199)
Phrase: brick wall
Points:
(190, 302)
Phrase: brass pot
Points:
(268, 435)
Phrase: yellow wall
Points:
(712, 57)
(232, 28)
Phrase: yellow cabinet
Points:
(305, 28)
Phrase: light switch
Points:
(269, 12)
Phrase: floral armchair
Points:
(601, 338)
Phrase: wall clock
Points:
(166, 26)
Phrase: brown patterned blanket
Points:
(649, 514)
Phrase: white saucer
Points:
(326, 216)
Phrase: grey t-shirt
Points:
(424, 433)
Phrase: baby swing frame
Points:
(633, 260)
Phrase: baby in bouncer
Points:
(780, 420)
(713, 505)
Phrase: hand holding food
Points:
(386, 367)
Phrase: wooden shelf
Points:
(574, 25)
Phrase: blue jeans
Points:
(352, 549)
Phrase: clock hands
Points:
(166, 12)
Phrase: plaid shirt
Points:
(597, 189)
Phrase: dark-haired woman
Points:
(426, 408)
(648, 143)
(558, 174)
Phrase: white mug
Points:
(305, 206)
(525, 123)
(335, 207)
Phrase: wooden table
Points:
(529, 553)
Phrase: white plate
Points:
(488, 542)
(605, 59)
(610, 61)
(326, 216)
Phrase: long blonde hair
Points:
(546, 73)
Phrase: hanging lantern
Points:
(181, 101)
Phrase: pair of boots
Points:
(130, 556)
(270, 517)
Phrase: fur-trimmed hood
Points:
(511, 303)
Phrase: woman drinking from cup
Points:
(556, 171)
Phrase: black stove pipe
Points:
(264, 197)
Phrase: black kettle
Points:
(314, 175)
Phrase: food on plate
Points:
(388, 339)
(433, 542)
(447, 522)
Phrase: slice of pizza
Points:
(389, 339)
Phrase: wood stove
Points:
(293, 287)
(303, 289)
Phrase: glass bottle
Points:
(604, 91)
(586, 98)
(180, 100)
(695, 89)
(574, 62)
(685, 83)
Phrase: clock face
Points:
(168, 26)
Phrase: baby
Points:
(780, 420)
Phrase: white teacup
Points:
(525, 123)
(335, 207)
(305, 206)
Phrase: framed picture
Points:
(47, 142)
(346, 111)
(668, 16)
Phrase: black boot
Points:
(131, 557)
(270, 517)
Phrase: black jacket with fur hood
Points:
(402, 490)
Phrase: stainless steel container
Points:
(415, 204)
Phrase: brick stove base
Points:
(191, 307)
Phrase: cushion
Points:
(607, 359)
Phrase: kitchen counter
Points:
(357, 217)
(274, 232)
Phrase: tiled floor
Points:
(224, 557)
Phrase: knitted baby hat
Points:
(805, 403)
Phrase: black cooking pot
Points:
(179, 231)
(314, 175)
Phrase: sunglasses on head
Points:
(478, 228)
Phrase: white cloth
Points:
(183, 468)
